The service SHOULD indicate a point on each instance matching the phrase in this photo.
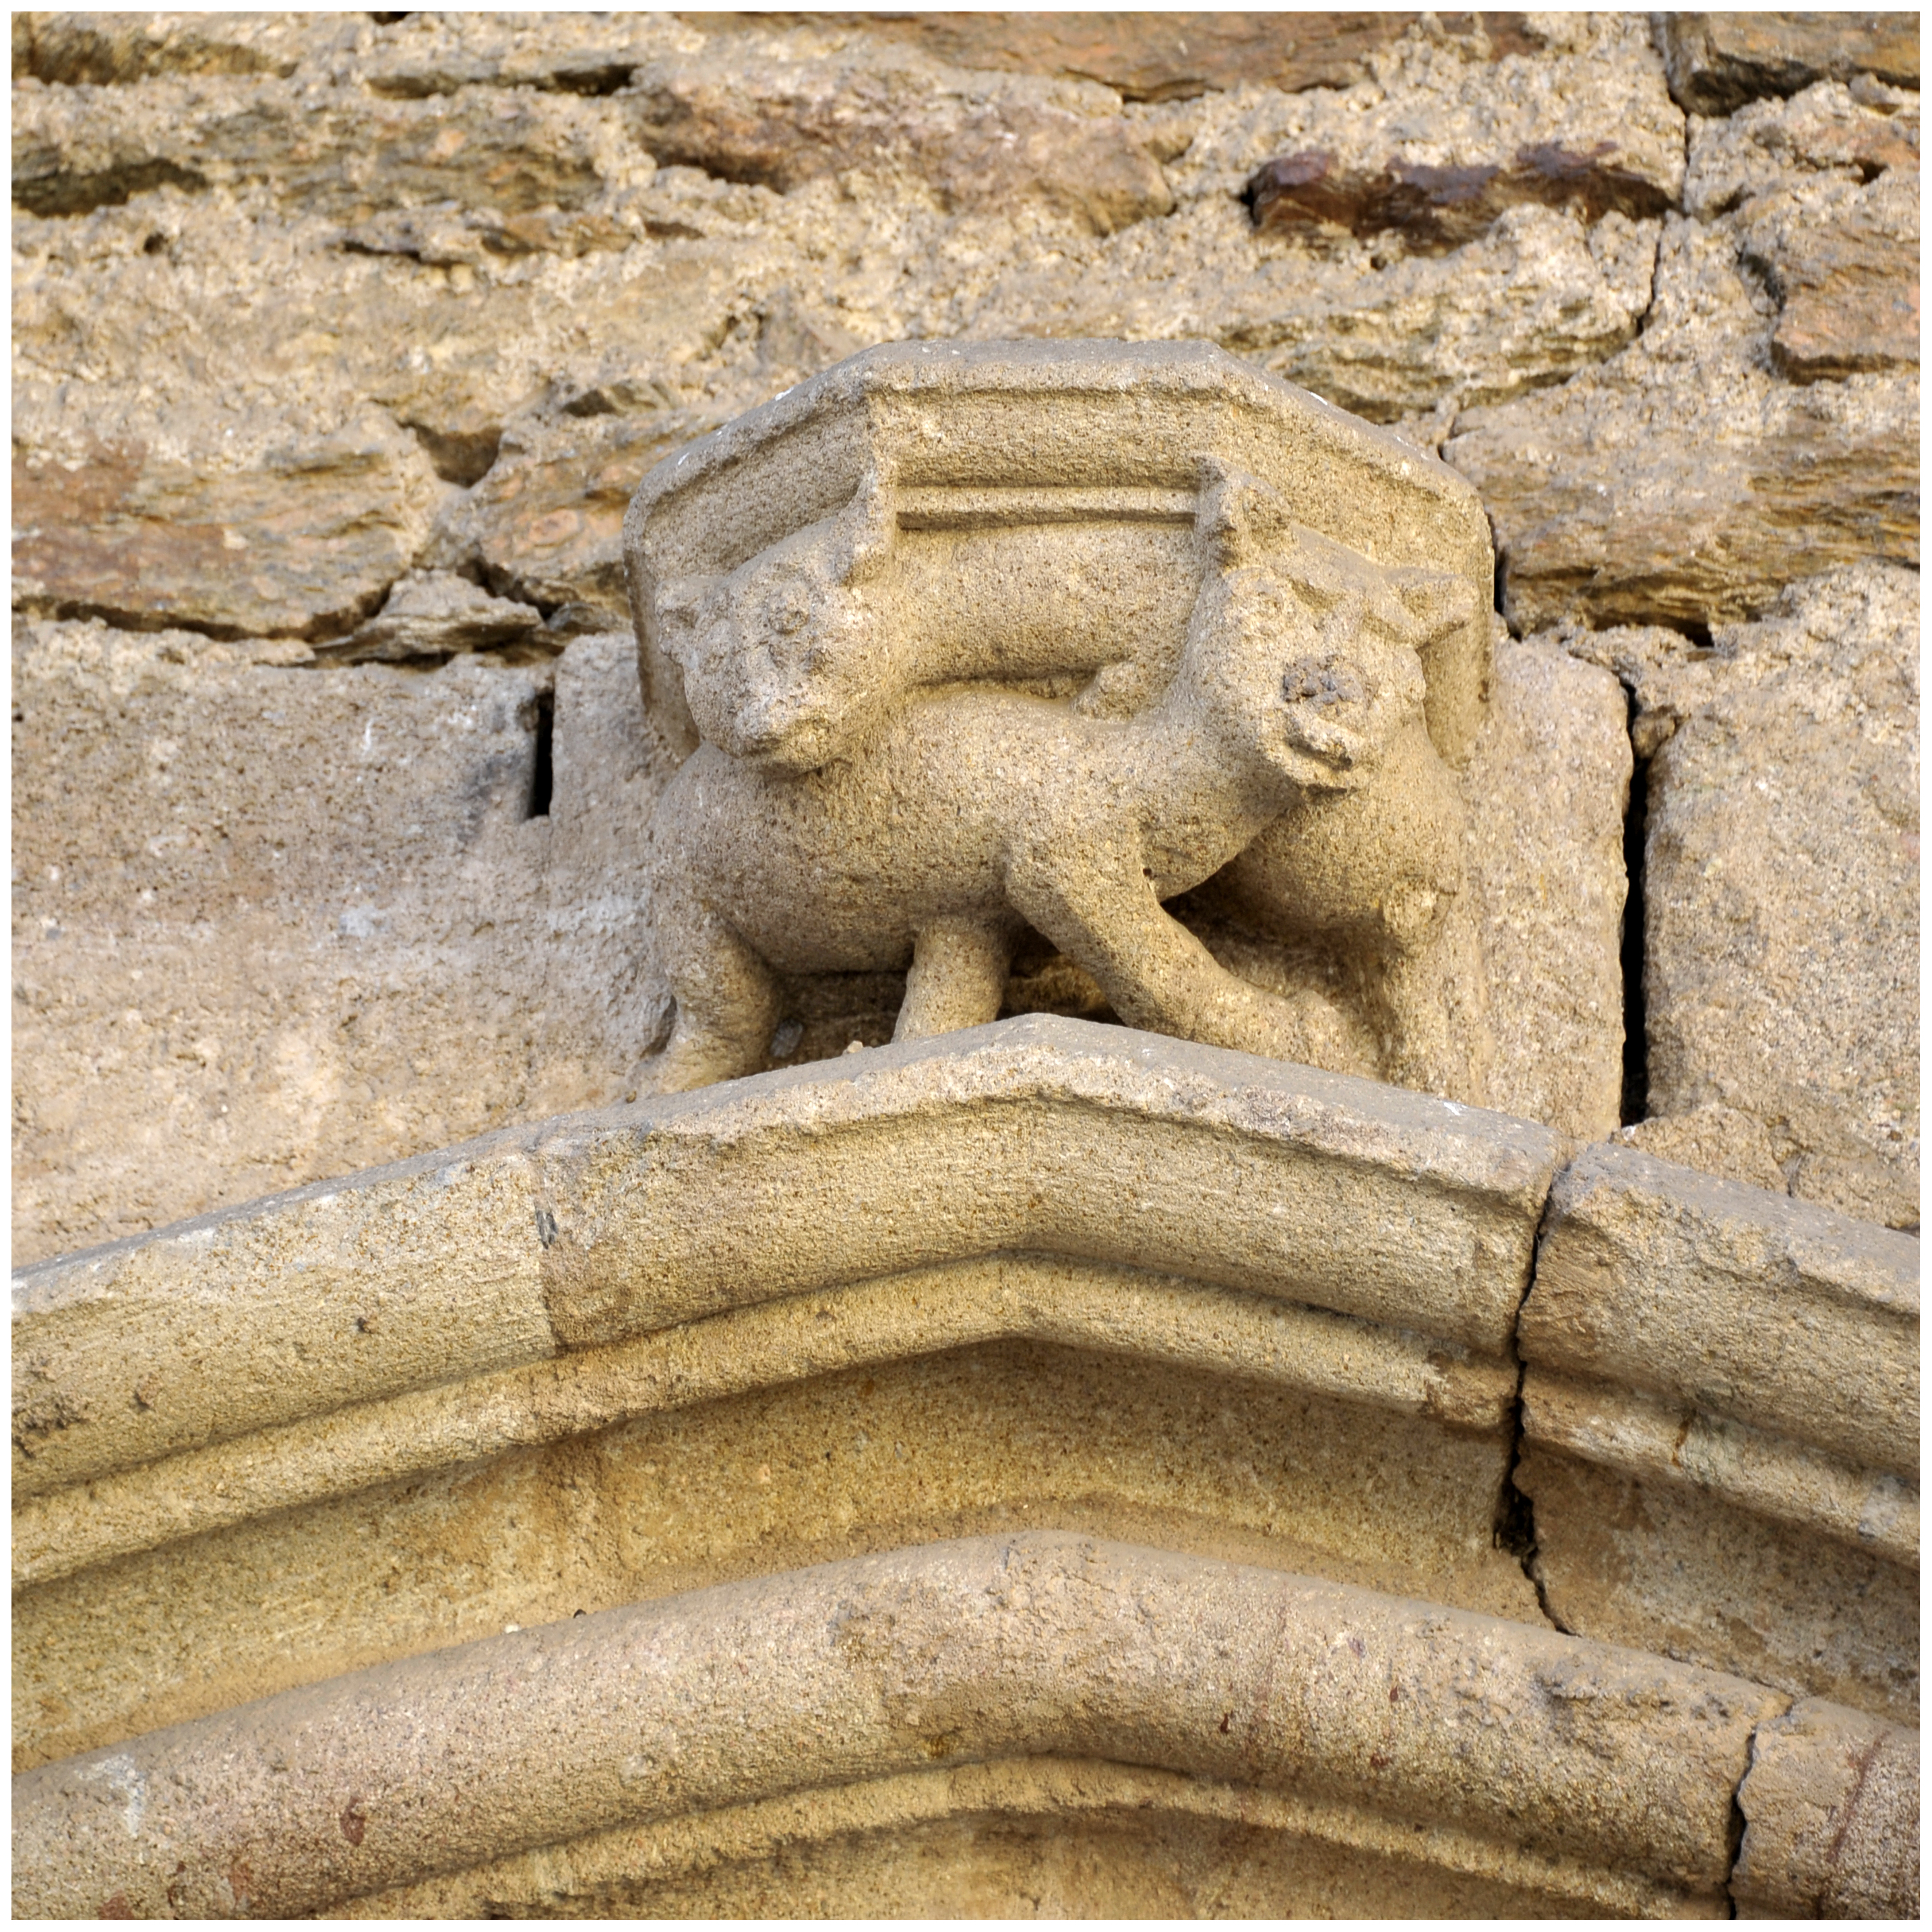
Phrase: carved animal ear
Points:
(1239, 518)
(682, 604)
(1435, 602)
(867, 529)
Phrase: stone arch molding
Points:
(1262, 629)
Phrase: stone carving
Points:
(962, 641)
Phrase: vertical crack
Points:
(1635, 1103)
(1515, 1529)
(542, 765)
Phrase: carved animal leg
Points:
(727, 1002)
(958, 978)
(1378, 873)
(1156, 973)
(1429, 1001)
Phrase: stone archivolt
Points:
(1274, 1316)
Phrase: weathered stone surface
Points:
(1850, 134)
(1554, 751)
(81, 49)
(306, 546)
(1681, 482)
(1843, 263)
(332, 149)
(1438, 146)
(1699, 1486)
(1069, 1646)
(1781, 879)
(1165, 56)
(433, 616)
(546, 524)
(977, 142)
(635, 1211)
(1045, 1837)
(700, 1455)
(402, 959)
(1832, 1825)
(1537, 297)
(1718, 62)
(960, 1325)
(1656, 1279)
(1713, 1139)
(1665, 1565)
(1826, 190)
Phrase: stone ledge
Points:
(1727, 1298)
(1033, 1135)
(1832, 1812)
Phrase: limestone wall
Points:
(341, 341)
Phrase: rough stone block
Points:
(1601, 520)
(328, 932)
(1160, 56)
(979, 143)
(1698, 1485)
(306, 546)
(1780, 881)
(1718, 62)
(1534, 299)
(330, 148)
(1659, 1279)
(1547, 790)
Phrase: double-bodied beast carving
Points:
(964, 641)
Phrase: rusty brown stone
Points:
(1718, 62)
(1845, 269)
(1440, 208)
(306, 545)
(782, 123)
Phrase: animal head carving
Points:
(1311, 653)
(785, 658)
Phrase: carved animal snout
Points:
(1345, 702)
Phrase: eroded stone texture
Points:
(329, 930)
(1700, 1485)
(1070, 1646)
(1437, 148)
(1825, 189)
(305, 547)
(1831, 1825)
(1601, 518)
(1163, 57)
(1780, 883)
(1554, 751)
(1719, 61)
(977, 143)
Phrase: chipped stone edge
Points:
(1644, 1436)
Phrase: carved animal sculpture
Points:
(969, 812)
(788, 662)
(792, 659)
